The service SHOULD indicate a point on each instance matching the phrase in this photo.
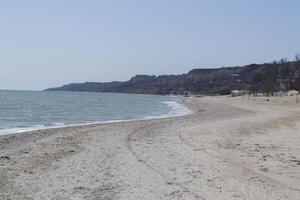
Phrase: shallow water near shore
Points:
(32, 110)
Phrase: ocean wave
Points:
(176, 109)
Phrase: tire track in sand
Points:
(152, 168)
(249, 171)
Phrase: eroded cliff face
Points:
(256, 77)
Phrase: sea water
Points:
(32, 110)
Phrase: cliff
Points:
(268, 77)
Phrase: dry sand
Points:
(229, 148)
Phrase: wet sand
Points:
(229, 148)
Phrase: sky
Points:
(50, 43)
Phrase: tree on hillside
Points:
(270, 77)
(283, 60)
(297, 57)
(297, 84)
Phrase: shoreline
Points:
(228, 148)
(172, 113)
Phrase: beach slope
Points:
(229, 148)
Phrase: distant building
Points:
(235, 93)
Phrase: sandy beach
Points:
(229, 148)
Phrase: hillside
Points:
(266, 78)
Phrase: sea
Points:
(22, 111)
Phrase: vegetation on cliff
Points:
(267, 78)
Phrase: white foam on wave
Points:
(21, 129)
(176, 109)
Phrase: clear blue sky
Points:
(49, 43)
